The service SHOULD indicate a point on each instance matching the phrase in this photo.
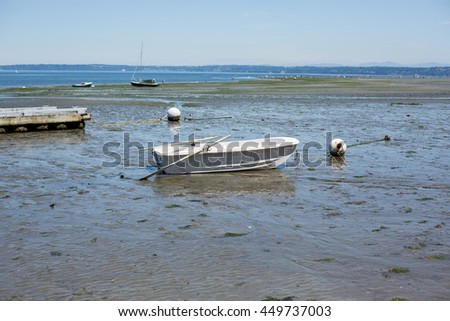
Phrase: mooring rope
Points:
(208, 118)
(385, 138)
(129, 122)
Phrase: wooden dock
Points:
(42, 118)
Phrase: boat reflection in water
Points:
(245, 182)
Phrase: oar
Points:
(206, 147)
(194, 140)
(186, 142)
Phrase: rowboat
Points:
(221, 156)
(83, 84)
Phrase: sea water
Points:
(68, 78)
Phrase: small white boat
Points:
(220, 156)
(83, 84)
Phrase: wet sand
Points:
(371, 227)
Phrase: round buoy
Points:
(338, 147)
(173, 114)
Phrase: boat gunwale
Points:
(222, 147)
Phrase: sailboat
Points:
(142, 82)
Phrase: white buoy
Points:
(337, 147)
(173, 114)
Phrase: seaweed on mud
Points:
(230, 234)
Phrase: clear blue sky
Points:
(175, 32)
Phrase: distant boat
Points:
(83, 84)
(142, 82)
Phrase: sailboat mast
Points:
(140, 61)
(142, 50)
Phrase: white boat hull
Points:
(226, 156)
(83, 84)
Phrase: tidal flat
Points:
(78, 225)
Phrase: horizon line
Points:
(321, 65)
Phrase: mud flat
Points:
(77, 225)
(376, 87)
